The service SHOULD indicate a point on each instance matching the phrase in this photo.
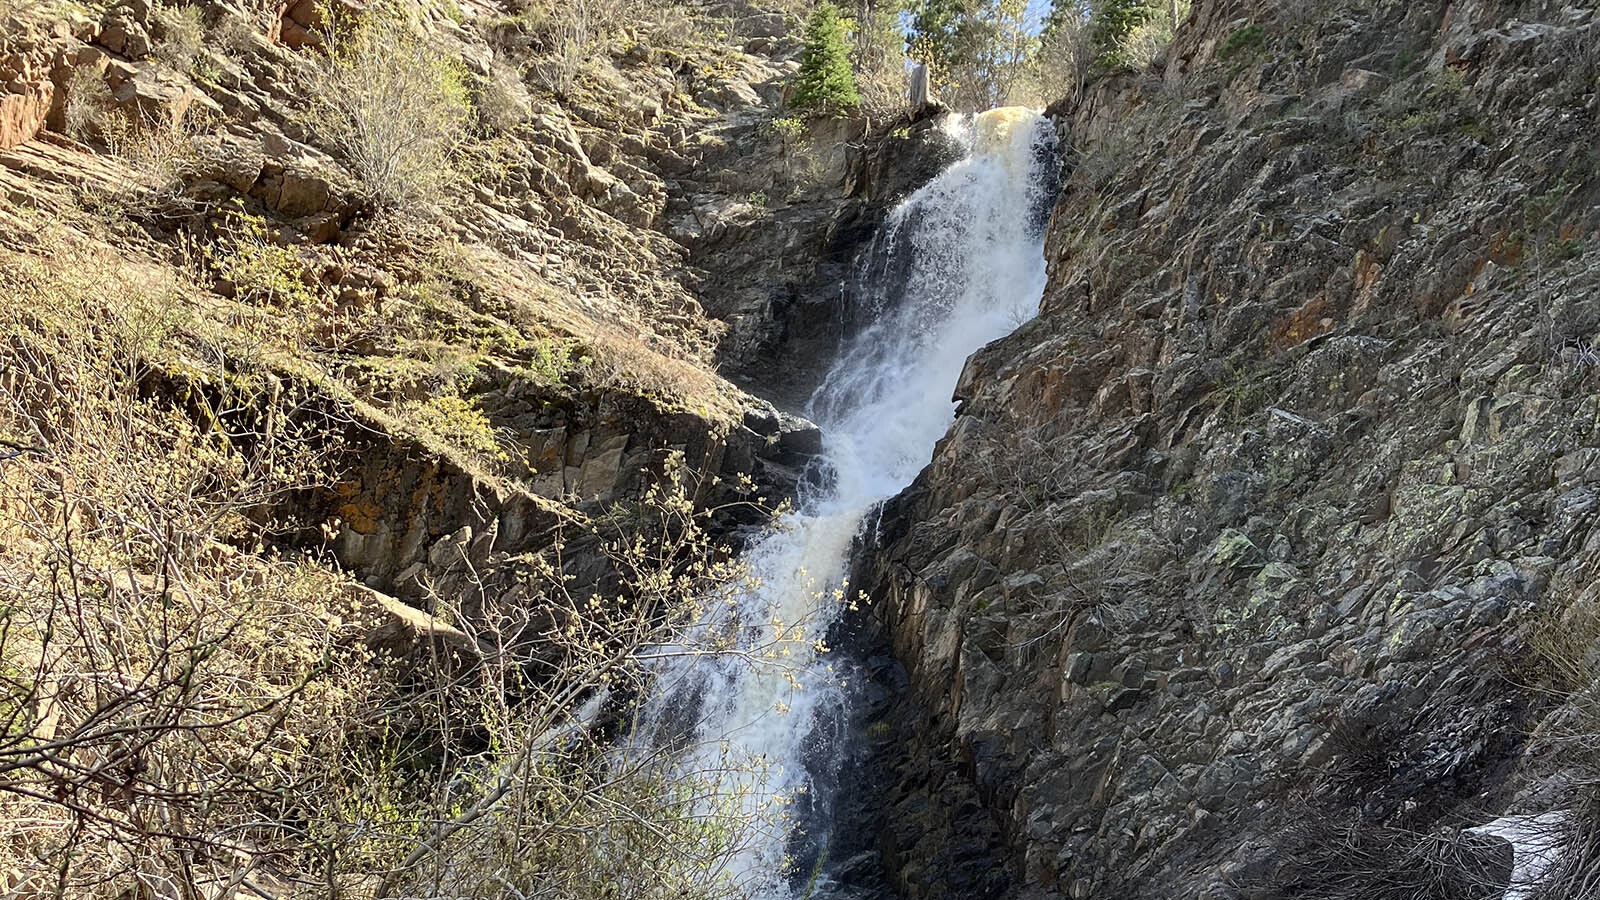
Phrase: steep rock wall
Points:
(1254, 529)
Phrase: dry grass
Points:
(1370, 861)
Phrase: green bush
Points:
(458, 422)
(826, 84)
(1242, 43)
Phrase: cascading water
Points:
(960, 264)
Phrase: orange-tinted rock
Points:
(22, 115)
(300, 22)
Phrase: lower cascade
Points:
(761, 705)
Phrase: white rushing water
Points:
(968, 267)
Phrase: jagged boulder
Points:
(154, 94)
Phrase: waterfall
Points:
(957, 265)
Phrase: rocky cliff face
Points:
(1247, 550)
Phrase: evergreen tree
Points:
(1114, 22)
(826, 84)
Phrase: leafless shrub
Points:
(670, 25)
(879, 59)
(574, 32)
(1369, 861)
(148, 716)
(553, 657)
(241, 32)
(88, 105)
(1060, 68)
(162, 156)
(394, 107)
(180, 33)
(1147, 41)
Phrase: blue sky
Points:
(1037, 10)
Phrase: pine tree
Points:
(1114, 22)
(826, 84)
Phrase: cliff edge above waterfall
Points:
(1261, 563)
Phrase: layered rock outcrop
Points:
(1257, 533)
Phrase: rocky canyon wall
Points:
(1257, 533)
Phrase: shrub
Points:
(163, 159)
(161, 691)
(88, 104)
(572, 32)
(458, 422)
(259, 271)
(180, 32)
(1371, 861)
(825, 84)
(395, 108)
(1061, 67)
(1242, 43)
(1153, 35)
